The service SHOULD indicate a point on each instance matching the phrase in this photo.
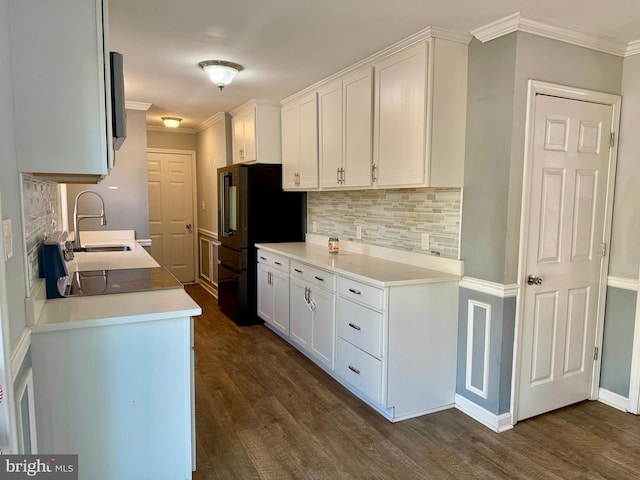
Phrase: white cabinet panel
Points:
(256, 133)
(62, 119)
(300, 144)
(358, 118)
(330, 134)
(360, 370)
(323, 331)
(300, 316)
(360, 326)
(400, 117)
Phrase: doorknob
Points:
(533, 280)
(188, 226)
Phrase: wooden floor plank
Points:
(265, 411)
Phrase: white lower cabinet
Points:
(392, 346)
(273, 291)
(313, 320)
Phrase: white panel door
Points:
(300, 315)
(323, 326)
(566, 230)
(308, 178)
(170, 180)
(265, 293)
(290, 119)
(280, 287)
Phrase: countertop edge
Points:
(442, 277)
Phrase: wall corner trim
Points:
(622, 282)
(633, 48)
(613, 399)
(497, 423)
(492, 288)
(162, 129)
(19, 352)
(137, 106)
(516, 22)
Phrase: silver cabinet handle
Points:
(297, 270)
(355, 292)
(354, 370)
(263, 258)
(278, 263)
(320, 279)
(374, 173)
(354, 326)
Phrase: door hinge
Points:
(603, 250)
(612, 139)
(595, 353)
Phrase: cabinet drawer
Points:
(273, 260)
(360, 370)
(361, 292)
(314, 276)
(360, 326)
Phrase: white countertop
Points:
(137, 257)
(368, 269)
(105, 310)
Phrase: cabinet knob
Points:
(320, 279)
(354, 326)
(355, 292)
(278, 263)
(354, 370)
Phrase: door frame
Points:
(634, 380)
(194, 189)
(534, 88)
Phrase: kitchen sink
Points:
(104, 248)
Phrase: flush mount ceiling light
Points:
(171, 122)
(220, 72)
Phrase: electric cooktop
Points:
(107, 282)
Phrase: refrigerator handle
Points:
(225, 180)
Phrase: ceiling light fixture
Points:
(171, 122)
(220, 72)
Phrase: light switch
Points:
(204, 205)
(425, 241)
(8, 238)
(359, 232)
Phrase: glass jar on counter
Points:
(334, 245)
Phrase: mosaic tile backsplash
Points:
(391, 218)
(42, 215)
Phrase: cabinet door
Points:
(290, 145)
(265, 293)
(280, 287)
(308, 169)
(59, 70)
(357, 103)
(400, 117)
(323, 327)
(249, 121)
(300, 315)
(238, 139)
(330, 134)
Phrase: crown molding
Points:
(516, 22)
(159, 128)
(633, 48)
(417, 37)
(212, 120)
(251, 103)
(137, 106)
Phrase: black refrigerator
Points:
(252, 208)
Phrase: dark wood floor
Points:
(263, 411)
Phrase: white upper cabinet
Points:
(256, 133)
(400, 117)
(401, 126)
(345, 117)
(60, 69)
(300, 144)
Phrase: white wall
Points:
(214, 151)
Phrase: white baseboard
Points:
(213, 291)
(497, 423)
(612, 399)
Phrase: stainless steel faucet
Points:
(76, 217)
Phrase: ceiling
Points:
(286, 45)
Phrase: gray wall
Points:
(625, 234)
(617, 344)
(488, 153)
(10, 187)
(127, 207)
(172, 140)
